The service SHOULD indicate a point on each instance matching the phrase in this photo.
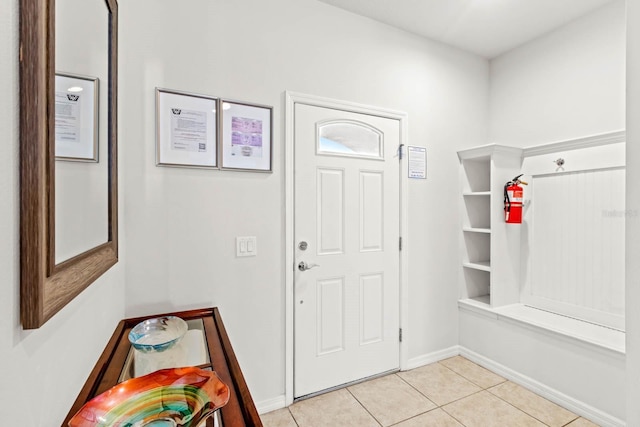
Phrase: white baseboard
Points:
(436, 356)
(272, 404)
(573, 405)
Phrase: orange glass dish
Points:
(168, 397)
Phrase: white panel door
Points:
(347, 214)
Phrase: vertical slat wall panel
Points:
(577, 251)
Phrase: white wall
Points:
(42, 370)
(182, 223)
(567, 84)
(633, 219)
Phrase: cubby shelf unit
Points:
(485, 238)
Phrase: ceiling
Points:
(485, 27)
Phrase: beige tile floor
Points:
(451, 393)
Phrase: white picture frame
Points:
(186, 129)
(246, 136)
(76, 117)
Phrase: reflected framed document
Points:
(246, 142)
(76, 117)
(186, 129)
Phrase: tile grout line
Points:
(422, 413)
(421, 393)
(292, 416)
(504, 382)
(577, 418)
(416, 415)
(481, 390)
(441, 407)
(470, 380)
(364, 407)
(521, 410)
(459, 399)
(531, 415)
(487, 390)
(453, 416)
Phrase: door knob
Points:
(303, 266)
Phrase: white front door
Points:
(346, 231)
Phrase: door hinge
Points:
(400, 335)
(400, 244)
(400, 151)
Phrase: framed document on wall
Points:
(76, 117)
(186, 129)
(246, 136)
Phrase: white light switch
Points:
(246, 246)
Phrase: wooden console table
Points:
(114, 365)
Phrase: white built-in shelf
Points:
(478, 265)
(482, 301)
(485, 152)
(477, 230)
(485, 241)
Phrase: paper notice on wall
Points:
(68, 117)
(246, 137)
(417, 159)
(188, 130)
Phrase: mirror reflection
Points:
(81, 126)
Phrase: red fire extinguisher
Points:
(513, 198)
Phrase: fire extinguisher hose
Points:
(507, 202)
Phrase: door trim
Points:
(292, 98)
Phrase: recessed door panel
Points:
(371, 308)
(330, 211)
(371, 211)
(330, 319)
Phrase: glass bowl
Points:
(169, 397)
(157, 334)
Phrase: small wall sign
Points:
(417, 158)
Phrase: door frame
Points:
(292, 98)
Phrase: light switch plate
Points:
(246, 246)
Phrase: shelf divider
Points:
(478, 265)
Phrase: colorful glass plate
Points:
(168, 397)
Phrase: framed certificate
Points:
(76, 117)
(246, 136)
(186, 129)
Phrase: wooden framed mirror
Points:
(49, 281)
